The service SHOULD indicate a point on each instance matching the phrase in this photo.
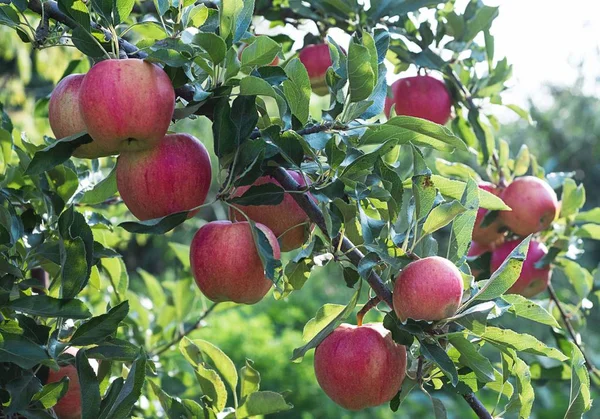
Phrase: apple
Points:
(532, 280)
(492, 234)
(360, 366)
(225, 262)
(475, 251)
(69, 406)
(534, 205)
(65, 117)
(174, 176)
(280, 218)
(428, 289)
(420, 96)
(317, 60)
(126, 104)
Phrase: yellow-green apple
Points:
(360, 366)
(69, 406)
(317, 60)
(226, 264)
(428, 289)
(532, 280)
(171, 177)
(126, 104)
(492, 234)
(65, 117)
(420, 96)
(534, 205)
(287, 220)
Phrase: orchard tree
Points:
(405, 187)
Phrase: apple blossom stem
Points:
(372, 303)
(590, 366)
(186, 332)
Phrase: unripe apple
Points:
(69, 406)
(317, 60)
(492, 233)
(174, 176)
(360, 366)
(428, 289)
(65, 117)
(534, 205)
(226, 264)
(420, 96)
(532, 280)
(126, 104)
(280, 218)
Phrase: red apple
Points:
(174, 176)
(534, 205)
(65, 117)
(69, 406)
(126, 104)
(428, 289)
(476, 250)
(226, 264)
(420, 96)
(317, 60)
(532, 280)
(279, 218)
(493, 233)
(360, 366)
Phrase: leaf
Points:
(520, 342)
(573, 198)
(475, 318)
(157, 225)
(527, 309)
(103, 190)
(328, 318)
(266, 194)
(43, 305)
(482, 20)
(591, 216)
(250, 380)
(89, 387)
(131, 390)
(212, 44)
(234, 19)
(580, 278)
(442, 215)
(360, 73)
(260, 52)
(56, 153)
(522, 161)
(434, 353)
(49, 395)
(455, 189)
(470, 356)
(114, 350)
(524, 395)
(462, 226)
(100, 327)
(297, 89)
(580, 399)
(455, 169)
(21, 351)
(439, 410)
(182, 252)
(588, 231)
(212, 387)
(262, 403)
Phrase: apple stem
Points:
(372, 303)
(501, 178)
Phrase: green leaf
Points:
(199, 351)
(524, 395)
(527, 309)
(21, 351)
(580, 400)
(101, 191)
(482, 20)
(161, 6)
(475, 318)
(573, 198)
(455, 169)
(234, 18)
(520, 342)
(212, 387)
(49, 395)
(580, 278)
(89, 387)
(250, 380)
(462, 226)
(153, 288)
(43, 305)
(266, 194)
(56, 153)
(84, 42)
(591, 216)
(368, 160)
(76, 252)
(434, 353)
(439, 410)
(100, 327)
(262, 403)
(131, 390)
(172, 407)
(297, 89)
(522, 161)
(114, 350)
(328, 318)
(157, 225)
(588, 231)
(419, 131)
(212, 44)
(455, 189)
(470, 356)
(262, 51)
(360, 73)
(182, 252)
(8, 16)
(442, 215)
(78, 11)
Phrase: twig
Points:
(590, 366)
(186, 331)
(477, 406)
(306, 131)
(501, 178)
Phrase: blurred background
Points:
(554, 48)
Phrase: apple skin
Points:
(492, 234)
(279, 218)
(532, 281)
(225, 262)
(534, 205)
(126, 105)
(360, 366)
(420, 96)
(428, 289)
(317, 60)
(65, 117)
(69, 406)
(174, 176)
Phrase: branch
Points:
(477, 406)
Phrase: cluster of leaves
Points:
(53, 212)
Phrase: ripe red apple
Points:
(493, 233)
(428, 289)
(534, 205)
(174, 176)
(317, 60)
(420, 96)
(126, 104)
(65, 117)
(69, 406)
(532, 280)
(225, 262)
(279, 218)
(360, 366)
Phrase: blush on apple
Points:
(317, 60)
(492, 234)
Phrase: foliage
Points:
(69, 251)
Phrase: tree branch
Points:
(477, 406)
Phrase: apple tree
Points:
(314, 160)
